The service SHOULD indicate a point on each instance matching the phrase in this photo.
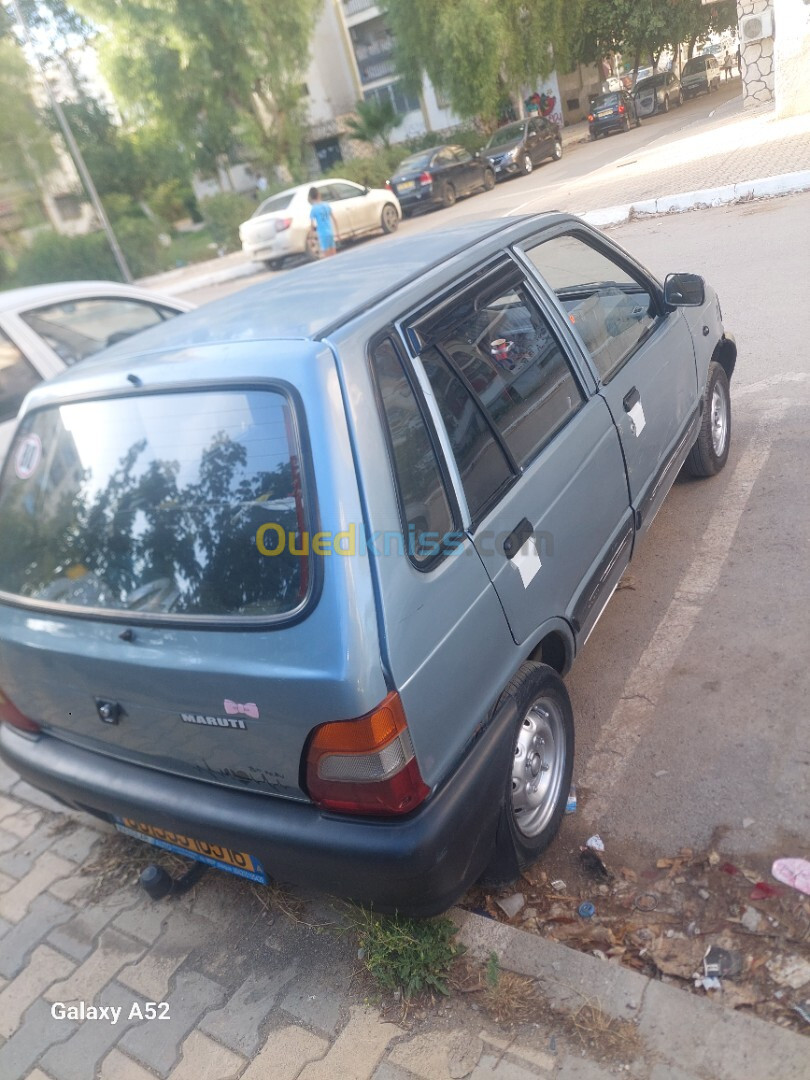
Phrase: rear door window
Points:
(155, 504)
(17, 377)
(76, 329)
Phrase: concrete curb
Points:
(695, 1036)
(764, 188)
(201, 281)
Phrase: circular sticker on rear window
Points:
(27, 457)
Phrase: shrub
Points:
(66, 258)
(138, 238)
(172, 200)
(224, 214)
(410, 955)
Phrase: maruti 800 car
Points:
(290, 584)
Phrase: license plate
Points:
(406, 185)
(605, 112)
(224, 858)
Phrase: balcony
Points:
(357, 7)
(371, 70)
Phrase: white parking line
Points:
(635, 712)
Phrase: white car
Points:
(46, 328)
(280, 226)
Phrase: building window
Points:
(328, 152)
(68, 207)
(403, 102)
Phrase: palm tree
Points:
(374, 121)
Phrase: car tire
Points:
(526, 164)
(448, 196)
(557, 150)
(389, 218)
(312, 251)
(666, 103)
(626, 124)
(543, 758)
(710, 452)
(489, 179)
(274, 264)
(681, 98)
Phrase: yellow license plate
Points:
(224, 858)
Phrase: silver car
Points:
(281, 227)
(46, 328)
(658, 93)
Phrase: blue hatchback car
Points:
(289, 584)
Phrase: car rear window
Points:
(276, 202)
(605, 100)
(418, 161)
(154, 503)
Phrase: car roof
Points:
(58, 291)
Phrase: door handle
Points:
(631, 398)
(517, 538)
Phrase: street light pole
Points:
(75, 152)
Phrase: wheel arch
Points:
(554, 645)
(725, 354)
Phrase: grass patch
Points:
(508, 998)
(408, 955)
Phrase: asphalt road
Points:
(547, 187)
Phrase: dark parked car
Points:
(518, 147)
(439, 176)
(658, 93)
(615, 111)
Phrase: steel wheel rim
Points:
(719, 419)
(390, 217)
(527, 164)
(538, 767)
(557, 150)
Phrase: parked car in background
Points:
(46, 328)
(280, 227)
(289, 603)
(438, 176)
(658, 93)
(700, 75)
(612, 112)
(518, 147)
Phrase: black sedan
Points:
(439, 176)
(612, 112)
(518, 147)
(658, 93)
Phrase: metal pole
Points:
(75, 153)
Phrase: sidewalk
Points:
(262, 985)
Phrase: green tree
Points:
(26, 152)
(374, 122)
(478, 53)
(218, 75)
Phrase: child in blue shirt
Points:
(323, 222)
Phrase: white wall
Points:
(792, 55)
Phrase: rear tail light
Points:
(10, 714)
(426, 179)
(388, 185)
(283, 223)
(621, 108)
(590, 118)
(366, 766)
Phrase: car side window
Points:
(344, 191)
(17, 377)
(610, 310)
(462, 155)
(504, 349)
(444, 157)
(75, 329)
(425, 507)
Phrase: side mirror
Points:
(366, 190)
(684, 290)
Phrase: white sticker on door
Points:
(527, 562)
(637, 421)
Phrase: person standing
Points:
(728, 64)
(323, 223)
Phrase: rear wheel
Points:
(389, 218)
(557, 150)
(710, 452)
(489, 180)
(626, 124)
(680, 98)
(526, 164)
(666, 103)
(539, 774)
(448, 196)
(313, 248)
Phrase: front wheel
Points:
(539, 772)
(557, 151)
(448, 196)
(666, 103)
(710, 452)
(489, 180)
(389, 218)
(680, 98)
(526, 164)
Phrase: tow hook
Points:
(159, 884)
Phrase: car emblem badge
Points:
(110, 712)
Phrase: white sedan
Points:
(280, 226)
(46, 328)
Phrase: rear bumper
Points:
(420, 200)
(612, 123)
(418, 865)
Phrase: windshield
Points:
(274, 203)
(507, 134)
(152, 503)
(418, 161)
(694, 65)
(650, 84)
